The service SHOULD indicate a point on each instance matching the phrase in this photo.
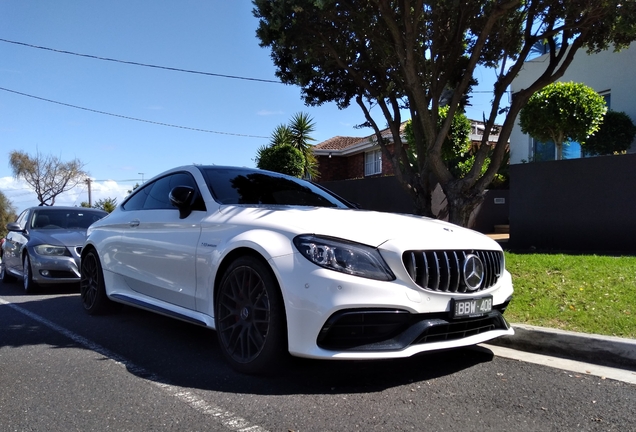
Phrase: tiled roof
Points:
(338, 143)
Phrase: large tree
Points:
(563, 112)
(414, 54)
(49, 176)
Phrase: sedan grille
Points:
(443, 271)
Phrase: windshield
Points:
(64, 219)
(245, 186)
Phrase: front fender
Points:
(212, 257)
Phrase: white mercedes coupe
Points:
(279, 266)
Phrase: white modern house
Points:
(611, 74)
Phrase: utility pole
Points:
(90, 199)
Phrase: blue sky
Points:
(237, 116)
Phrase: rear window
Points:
(253, 187)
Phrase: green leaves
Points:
(405, 55)
(282, 158)
(561, 112)
(615, 135)
(290, 150)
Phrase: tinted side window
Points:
(156, 195)
(159, 196)
(22, 219)
(242, 186)
(137, 200)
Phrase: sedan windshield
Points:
(245, 186)
(64, 219)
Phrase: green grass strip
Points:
(583, 293)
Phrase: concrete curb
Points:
(591, 348)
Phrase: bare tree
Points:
(49, 176)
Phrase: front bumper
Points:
(332, 315)
(393, 330)
(54, 270)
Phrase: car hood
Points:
(58, 237)
(368, 227)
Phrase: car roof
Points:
(65, 208)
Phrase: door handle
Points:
(134, 223)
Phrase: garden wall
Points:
(386, 194)
(574, 205)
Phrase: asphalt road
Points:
(61, 370)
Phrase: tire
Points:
(27, 276)
(250, 318)
(92, 288)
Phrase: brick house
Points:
(346, 158)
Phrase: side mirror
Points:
(14, 226)
(182, 197)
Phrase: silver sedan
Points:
(43, 245)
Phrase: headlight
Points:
(343, 256)
(50, 250)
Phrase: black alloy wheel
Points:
(250, 318)
(92, 288)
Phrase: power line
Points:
(156, 66)
(138, 63)
(130, 118)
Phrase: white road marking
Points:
(228, 419)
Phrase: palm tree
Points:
(281, 135)
(301, 126)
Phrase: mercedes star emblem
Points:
(473, 272)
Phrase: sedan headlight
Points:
(344, 256)
(50, 250)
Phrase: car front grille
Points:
(442, 271)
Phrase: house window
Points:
(547, 151)
(607, 95)
(373, 163)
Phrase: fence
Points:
(386, 194)
(575, 205)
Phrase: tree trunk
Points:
(423, 204)
(422, 194)
(461, 206)
(559, 151)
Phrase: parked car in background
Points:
(277, 265)
(44, 244)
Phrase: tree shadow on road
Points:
(174, 352)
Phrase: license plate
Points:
(471, 308)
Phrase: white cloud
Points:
(22, 196)
(269, 113)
